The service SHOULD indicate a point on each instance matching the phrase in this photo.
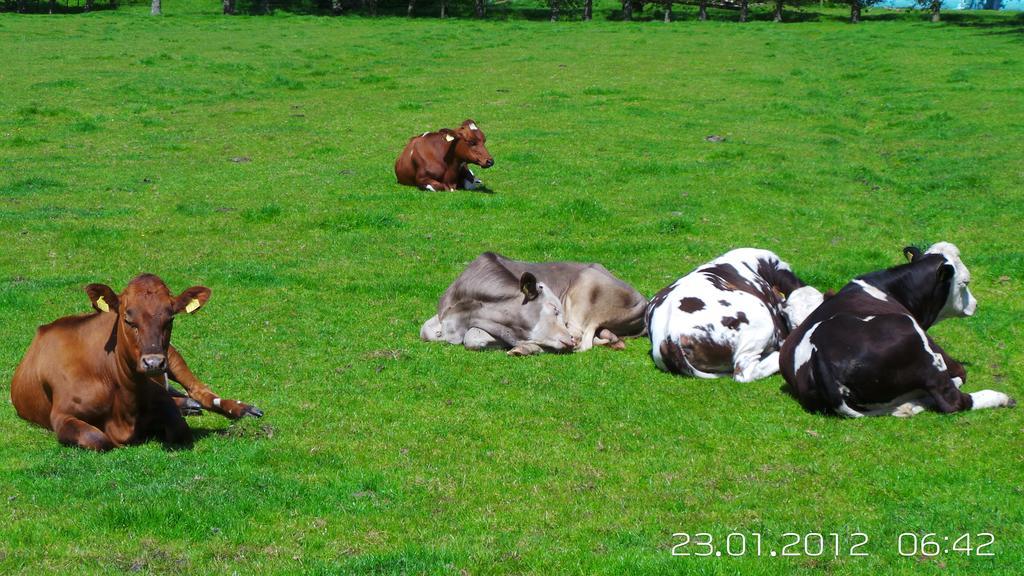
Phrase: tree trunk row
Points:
(478, 9)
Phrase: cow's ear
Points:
(946, 273)
(912, 253)
(103, 298)
(450, 135)
(191, 299)
(528, 286)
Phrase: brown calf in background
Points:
(438, 161)
(100, 380)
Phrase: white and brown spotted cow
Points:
(729, 316)
(531, 307)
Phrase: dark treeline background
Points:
(665, 10)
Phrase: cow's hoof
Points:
(524, 351)
(191, 408)
(907, 410)
(252, 411)
(1010, 402)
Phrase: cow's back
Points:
(593, 297)
(558, 276)
(62, 353)
(485, 279)
(405, 168)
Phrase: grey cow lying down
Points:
(529, 308)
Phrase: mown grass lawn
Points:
(254, 156)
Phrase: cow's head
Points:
(951, 288)
(543, 312)
(145, 313)
(469, 145)
(800, 303)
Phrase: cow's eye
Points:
(472, 142)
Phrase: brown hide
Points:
(438, 159)
(100, 380)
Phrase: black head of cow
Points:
(145, 314)
(469, 145)
(543, 313)
(945, 293)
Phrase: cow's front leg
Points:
(943, 385)
(186, 405)
(990, 399)
(750, 367)
(468, 179)
(74, 432)
(163, 417)
(586, 339)
(956, 376)
(955, 369)
(608, 338)
(477, 339)
(178, 371)
(525, 348)
(428, 181)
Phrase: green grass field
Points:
(254, 155)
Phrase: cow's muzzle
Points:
(488, 163)
(152, 364)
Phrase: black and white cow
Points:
(729, 316)
(864, 352)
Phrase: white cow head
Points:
(800, 303)
(543, 311)
(960, 301)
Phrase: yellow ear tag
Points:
(193, 306)
(449, 137)
(102, 304)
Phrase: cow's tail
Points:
(675, 360)
(826, 388)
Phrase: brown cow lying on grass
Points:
(100, 380)
(438, 161)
